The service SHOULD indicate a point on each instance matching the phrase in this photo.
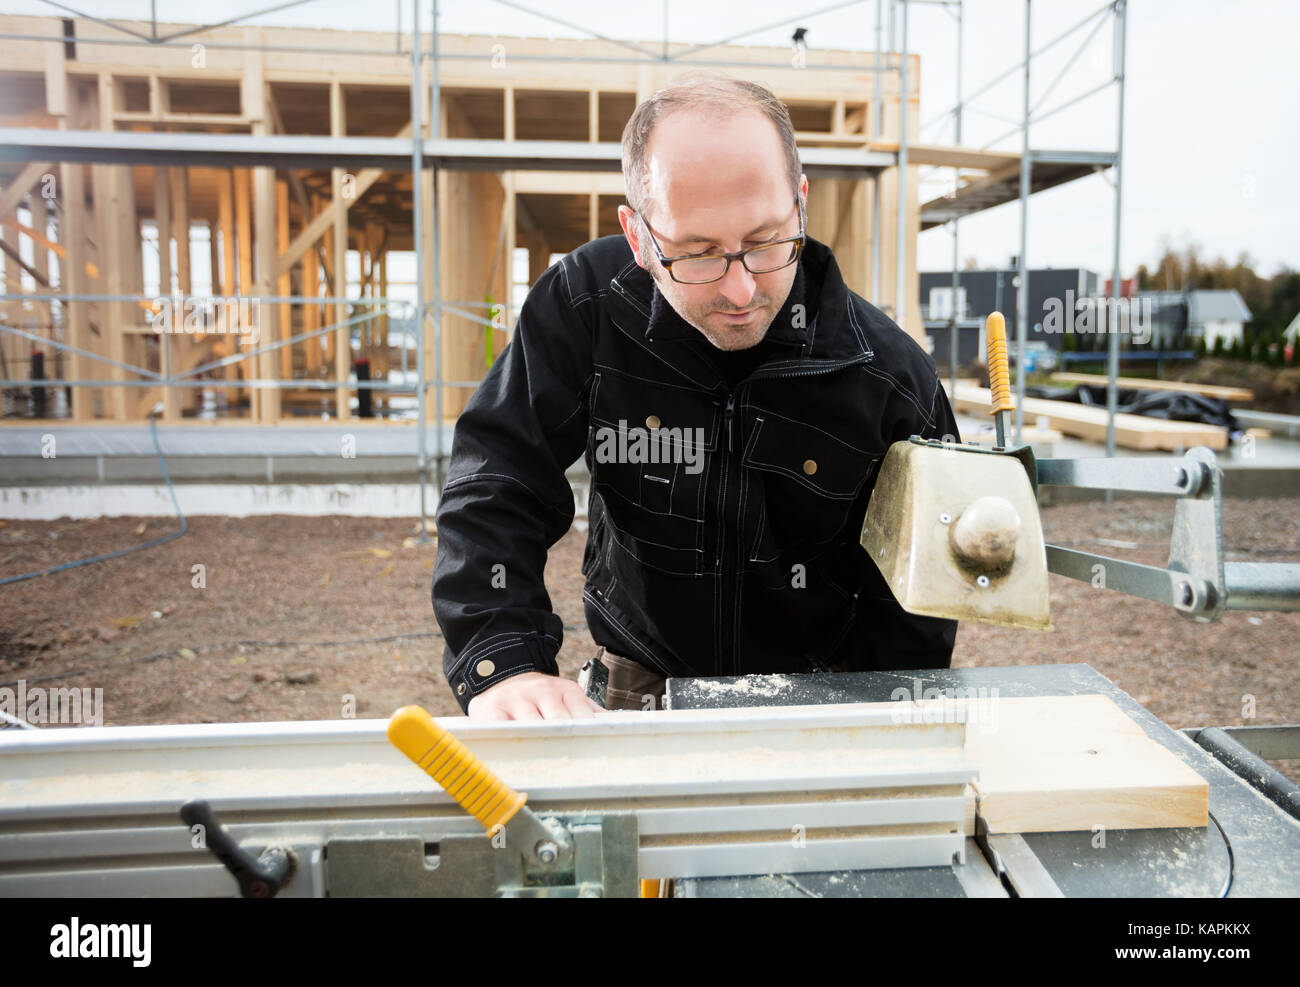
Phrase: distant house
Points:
(982, 292)
(1291, 334)
(1214, 315)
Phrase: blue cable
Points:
(153, 431)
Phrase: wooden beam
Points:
(1217, 391)
(226, 217)
(14, 193)
(1131, 431)
(162, 202)
(247, 286)
(71, 232)
(109, 212)
(284, 285)
(179, 188)
(265, 363)
(338, 204)
(337, 211)
(311, 312)
(951, 157)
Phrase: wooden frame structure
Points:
(286, 232)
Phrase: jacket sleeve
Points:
(892, 638)
(506, 500)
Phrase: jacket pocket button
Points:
(810, 466)
(484, 668)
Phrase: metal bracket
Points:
(1015, 864)
(1193, 581)
(603, 865)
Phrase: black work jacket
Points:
(742, 558)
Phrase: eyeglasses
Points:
(763, 259)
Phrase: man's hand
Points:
(533, 696)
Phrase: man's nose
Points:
(737, 286)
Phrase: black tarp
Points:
(1170, 405)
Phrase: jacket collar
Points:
(825, 330)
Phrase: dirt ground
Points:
(297, 618)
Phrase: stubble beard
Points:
(725, 338)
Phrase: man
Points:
(733, 399)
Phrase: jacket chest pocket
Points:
(806, 481)
(648, 448)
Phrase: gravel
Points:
(292, 618)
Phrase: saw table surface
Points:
(1177, 863)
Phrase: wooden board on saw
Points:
(1142, 384)
(1131, 431)
(1053, 763)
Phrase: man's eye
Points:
(715, 251)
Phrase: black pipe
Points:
(1255, 771)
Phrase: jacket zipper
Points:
(727, 651)
(730, 414)
(729, 582)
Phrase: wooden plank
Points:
(949, 157)
(1131, 431)
(1138, 383)
(1071, 763)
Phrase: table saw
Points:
(759, 786)
(989, 782)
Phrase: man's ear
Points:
(632, 230)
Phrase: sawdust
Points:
(765, 686)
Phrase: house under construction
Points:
(139, 179)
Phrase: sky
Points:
(1210, 119)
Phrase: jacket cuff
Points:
(498, 658)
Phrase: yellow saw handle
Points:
(449, 762)
(995, 329)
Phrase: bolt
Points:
(546, 851)
(1181, 478)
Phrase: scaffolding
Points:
(426, 151)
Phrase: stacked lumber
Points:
(1131, 431)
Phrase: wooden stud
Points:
(342, 340)
(311, 313)
(284, 285)
(162, 203)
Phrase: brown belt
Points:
(631, 685)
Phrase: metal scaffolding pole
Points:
(956, 180)
(417, 209)
(900, 263)
(1022, 292)
(878, 117)
(1112, 363)
(435, 132)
